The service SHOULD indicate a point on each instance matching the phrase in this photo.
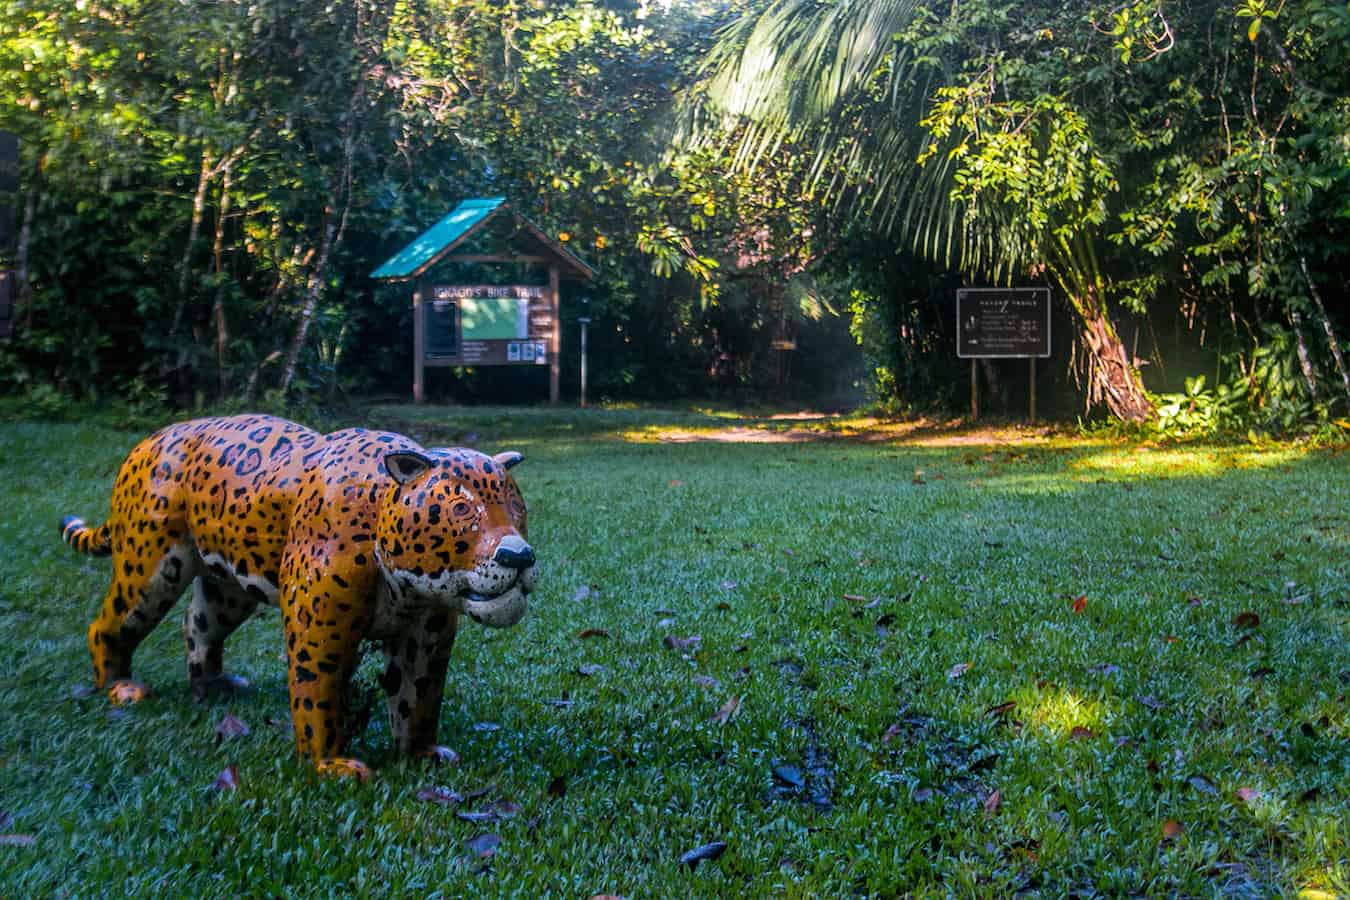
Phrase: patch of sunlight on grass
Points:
(1173, 461)
(1059, 711)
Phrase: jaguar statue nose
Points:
(514, 553)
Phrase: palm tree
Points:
(933, 143)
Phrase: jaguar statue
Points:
(356, 535)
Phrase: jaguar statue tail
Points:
(94, 541)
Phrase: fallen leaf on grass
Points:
(439, 795)
(587, 670)
(1247, 795)
(606, 897)
(1202, 784)
(593, 633)
(728, 711)
(675, 482)
(672, 642)
(699, 854)
(484, 845)
(1172, 639)
(1080, 733)
(1079, 604)
(227, 780)
(1172, 830)
(854, 598)
(481, 816)
(1246, 620)
(789, 776)
(230, 727)
(1000, 710)
(992, 803)
(958, 670)
(17, 840)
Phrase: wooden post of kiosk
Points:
(419, 344)
(974, 392)
(1031, 418)
(555, 340)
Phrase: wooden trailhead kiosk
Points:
(457, 324)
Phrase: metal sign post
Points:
(1002, 323)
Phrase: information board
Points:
(1002, 322)
(487, 325)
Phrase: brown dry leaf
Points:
(1172, 830)
(1172, 639)
(699, 854)
(1079, 605)
(999, 710)
(484, 845)
(439, 795)
(1247, 795)
(1080, 733)
(675, 643)
(728, 711)
(992, 803)
(606, 897)
(17, 840)
(958, 670)
(593, 633)
(675, 482)
(723, 606)
(1246, 620)
(855, 598)
(227, 780)
(230, 727)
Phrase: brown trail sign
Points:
(1002, 323)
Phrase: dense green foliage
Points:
(1140, 157)
(1202, 683)
(206, 187)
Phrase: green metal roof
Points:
(461, 223)
(412, 259)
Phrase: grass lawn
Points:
(930, 664)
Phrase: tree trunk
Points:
(24, 298)
(1112, 377)
(1327, 327)
(204, 179)
(1305, 362)
(218, 307)
(312, 291)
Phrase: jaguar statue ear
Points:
(405, 465)
(508, 458)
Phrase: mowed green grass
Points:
(897, 623)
